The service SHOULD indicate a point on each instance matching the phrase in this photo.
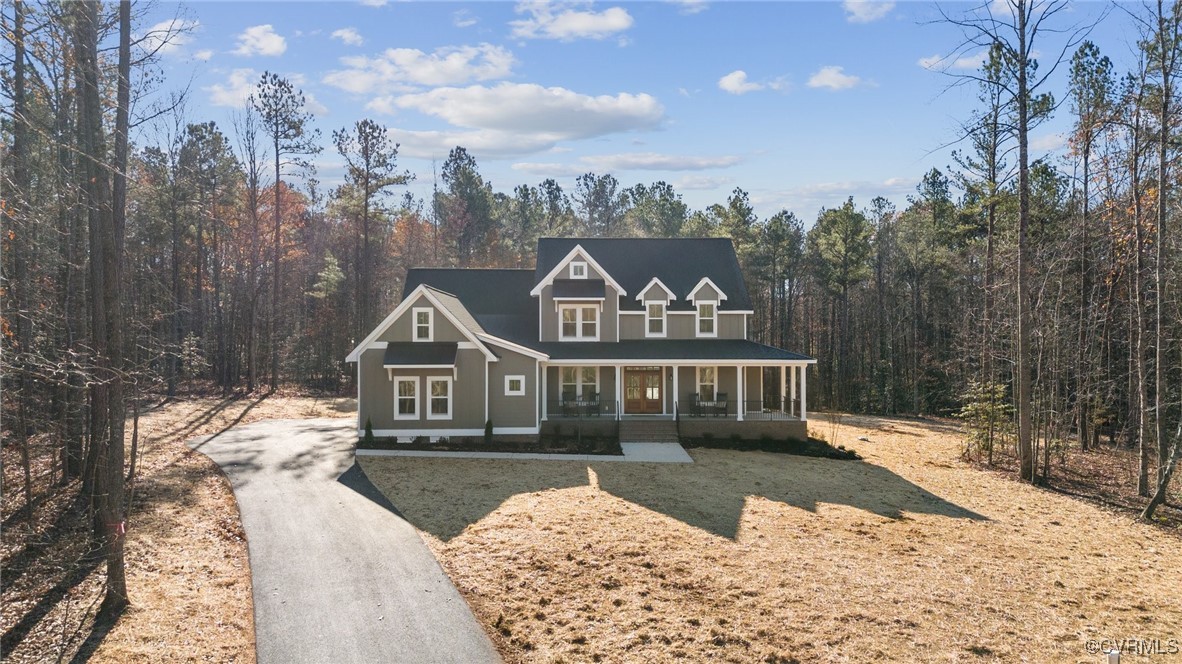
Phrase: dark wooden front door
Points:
(642, 391)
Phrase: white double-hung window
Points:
(439, 391)
(406, 398)
(424, 319)
(580, 382)
(707, 383)
(707, 319)
(654, 319)
(578, 322)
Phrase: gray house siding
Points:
(607, 387)
(681, 325)
(512, 411)
(377, 393)
(548, 314)
(401, 329)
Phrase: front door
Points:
(642, 391)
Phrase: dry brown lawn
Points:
(188, 575)
(910, 555)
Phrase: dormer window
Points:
(654, 324)
(578, 270)
(424, 318)
(707, 319)
(578, 322)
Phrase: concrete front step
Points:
(648, 432)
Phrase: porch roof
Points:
(705, 350)
(420, 354)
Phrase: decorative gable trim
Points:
(576, 252)
(693, 294)
(424, 291)
(669, 294)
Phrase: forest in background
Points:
(149, 252)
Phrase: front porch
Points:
(750, 392)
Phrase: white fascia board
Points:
(424, 291)
(670, 296)
(703, 282)
(577, 251)
(529, 352)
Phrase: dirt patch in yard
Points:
(910, 555)
(187, 569)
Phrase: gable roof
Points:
(448, 305)
(576, 249)
(680, 264)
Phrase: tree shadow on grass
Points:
(99, 631)
(712, 493)
(444, 496)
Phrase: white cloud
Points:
(630, 161)
(1048, 143)
(945, 62)
(260, 40)
(833, 78)
(348, 36)
(168, 36)
(702, 183)
(691, 6)
(807, 199)
(203, 55)
(235, 91)
(866, 11)
(398, 69)
(736, 83)
(374, 3)
(463, 19)
(518, 118)
(565, 23)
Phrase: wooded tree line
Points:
(1035, 296)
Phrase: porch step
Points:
(648, 431)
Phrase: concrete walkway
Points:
(634, 452)
(338, 574)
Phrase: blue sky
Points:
(802, 104)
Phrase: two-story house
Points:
(601, 329)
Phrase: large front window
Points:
(707, 319)
(580, 382)
(707, 383)
(579, 322)
(439, 398)
(654, 319)
(406, 398)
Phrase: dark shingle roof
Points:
(680, 263)
(483, 291)
(579, 288)
(666, 349)
(411, 353)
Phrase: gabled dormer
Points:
(578, 300)
(706, 297)
(656, 298)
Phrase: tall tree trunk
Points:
(1166, 47)
(1025, 320)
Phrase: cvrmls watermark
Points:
(1141, 647)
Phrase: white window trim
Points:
(583, 268)
(648, 333)
(579, 384)
(714, 384)
(579, 322)
(414, 380)
(514, 393)
(414, 330)
(427, 398)
(698, 318)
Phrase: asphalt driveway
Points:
(338, 574)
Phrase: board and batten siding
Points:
(548, 313)
(403, 326)
(377, 392)
(681, 325)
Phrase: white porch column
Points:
(676, 406)
(783, 388)
(803, 392)
(619, 391)
(792, 391)
(739, 410)
(545, 393)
